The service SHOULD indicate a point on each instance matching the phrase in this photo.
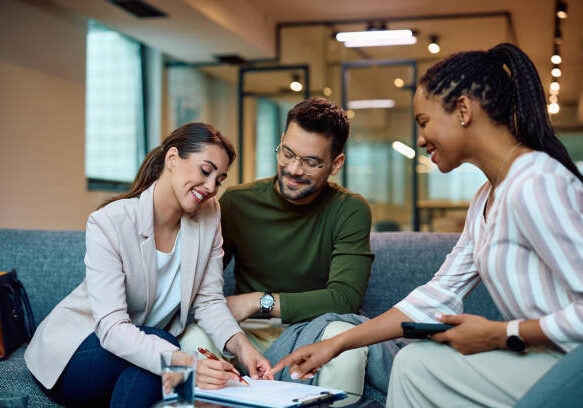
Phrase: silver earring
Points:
(463, 123)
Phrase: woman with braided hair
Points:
(154, 261)
(523, 238)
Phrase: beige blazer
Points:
(119, 289)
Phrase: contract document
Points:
(264, 393)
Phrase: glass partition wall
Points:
(404, 187)
(381, 152)
(265, 97)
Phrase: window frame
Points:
(107, 185)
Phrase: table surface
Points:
(359, 403)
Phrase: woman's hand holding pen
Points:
(214, 374)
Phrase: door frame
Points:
(242, 94)
(345, 68)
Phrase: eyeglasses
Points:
(286, 156)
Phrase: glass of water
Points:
(178, 378)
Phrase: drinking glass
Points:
(178, 378)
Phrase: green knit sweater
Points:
(316, 256)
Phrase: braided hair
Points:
(506, 83)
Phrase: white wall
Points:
(42, 118)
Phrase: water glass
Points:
(178, 378)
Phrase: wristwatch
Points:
(513, 340)
(266, 303)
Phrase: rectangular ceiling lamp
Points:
(372, 104)
(375, 38)
(381, 43)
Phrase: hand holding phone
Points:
(414, 330)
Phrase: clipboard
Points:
(270, 394)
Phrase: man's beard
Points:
(308, 189)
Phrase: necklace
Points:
(505, 162)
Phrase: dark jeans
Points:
(94, 377)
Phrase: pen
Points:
(210, 355)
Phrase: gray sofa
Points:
(50, 264)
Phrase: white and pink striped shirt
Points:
(529, 253)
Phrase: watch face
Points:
(515, 343)
(266, 302)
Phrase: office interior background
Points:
(87, 87)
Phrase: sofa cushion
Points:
(49, 264)
(405, 260)
(15, 377)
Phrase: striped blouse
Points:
(529, 253)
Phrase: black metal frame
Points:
(242, 94)
(345, 67)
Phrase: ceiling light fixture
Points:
(372, 104)
(433, 46)
(405, 150)
(376, 38)
(553, 108)
(561, 9)
(558, 40)
(554, 88)
(380, 42)
(295, 85)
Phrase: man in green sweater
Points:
(300, 243)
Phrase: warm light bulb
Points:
(556, 59)
(561, 11)
(555, 87)
(556, 72)
(350, 114)
(296, 86)
(553, 98)
(553, 108)
(433, 48)
(399, 83)
(327, 91)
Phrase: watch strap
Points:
(512, 328)
(513, 340)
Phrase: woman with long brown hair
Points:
(153, 264)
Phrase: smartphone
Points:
(413, 330)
